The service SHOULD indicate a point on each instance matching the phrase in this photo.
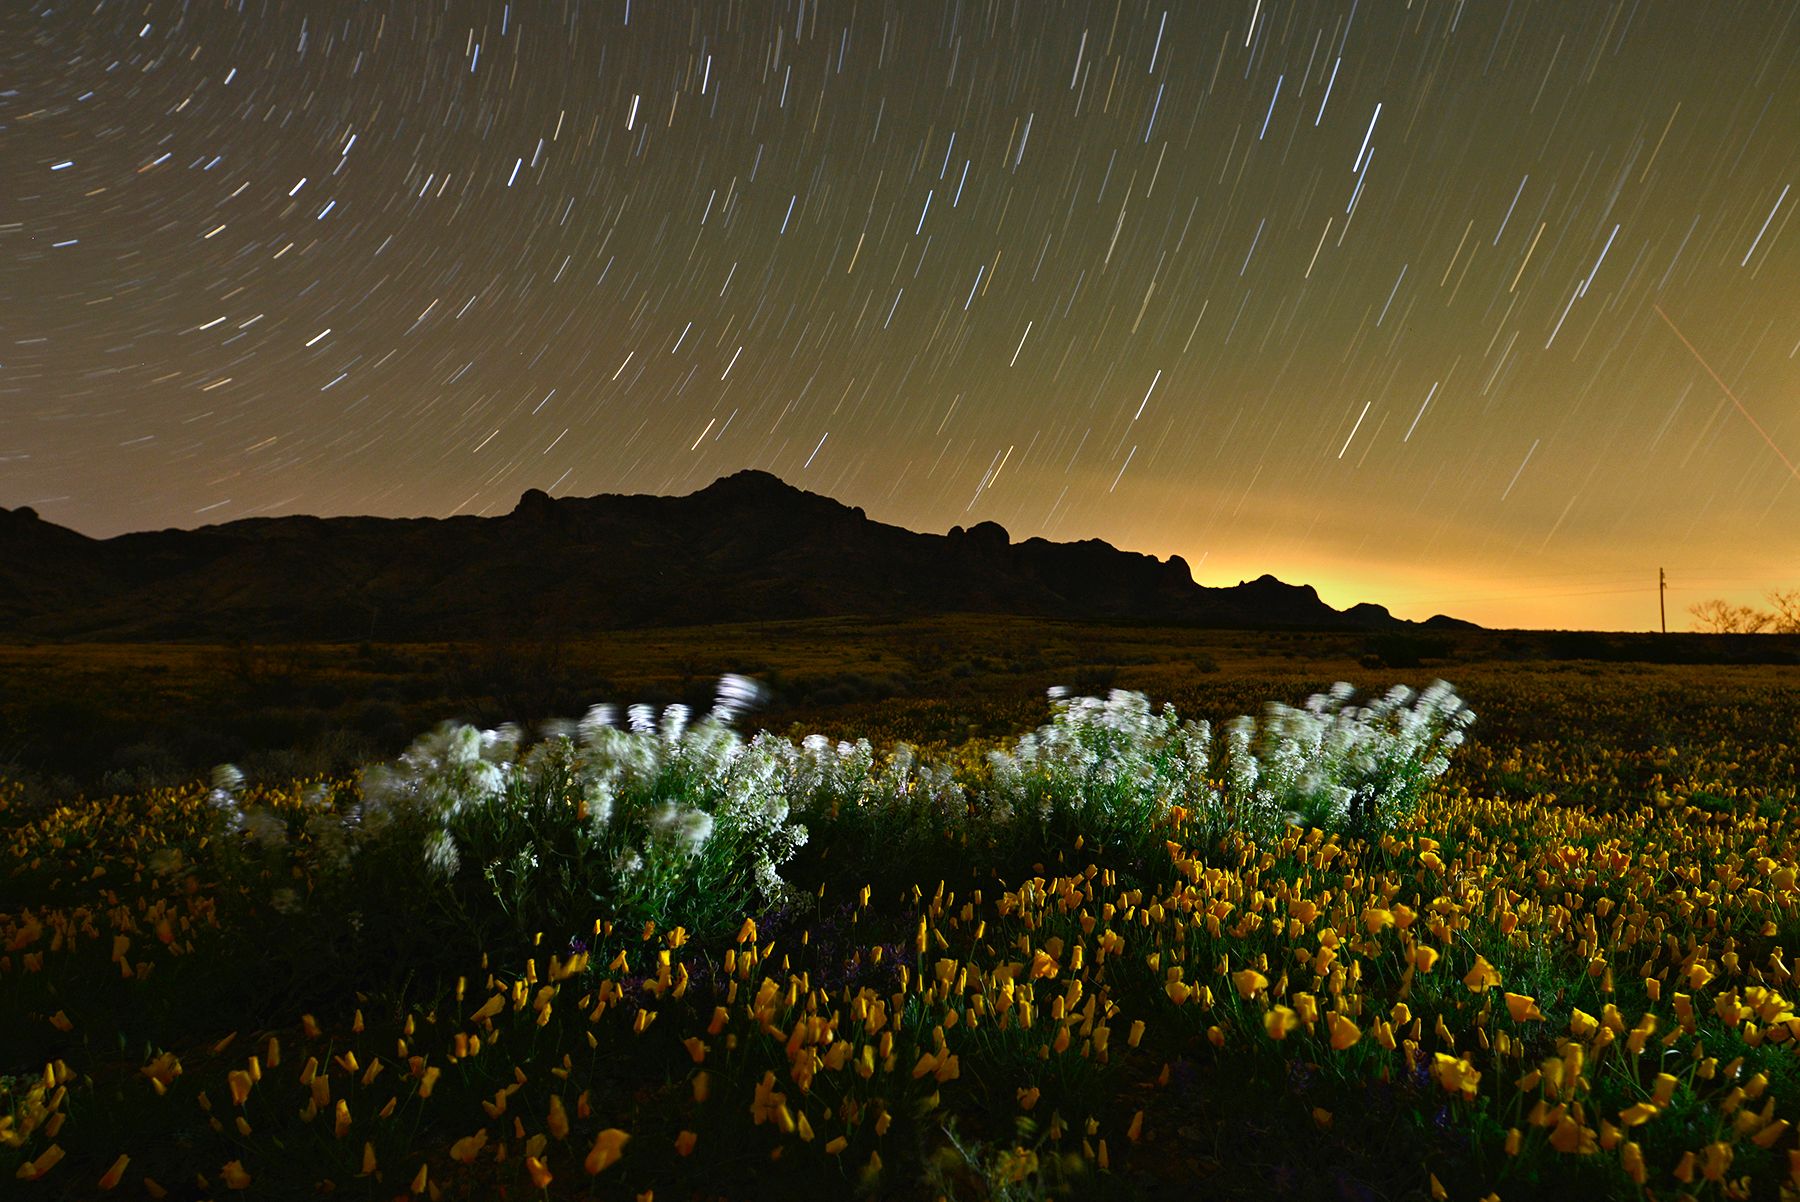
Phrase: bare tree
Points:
(1722, 617)
(1786, 618)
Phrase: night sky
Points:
(1487, 307)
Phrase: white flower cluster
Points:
(664, 803)
(262, 826)
(453, 767)
(685, 786)
(1330, 764)
(1118, 755)
(1337, 765)
(849, 783)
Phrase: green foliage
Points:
(669, 821)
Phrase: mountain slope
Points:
(747, 547)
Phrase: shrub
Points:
(1105, 770)
(1338, 766)
(675, 822)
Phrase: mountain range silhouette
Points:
(748, 547)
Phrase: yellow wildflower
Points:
(609, 1144)
(540, 1174)
(468, 1147)
(1522, 1007)
(1482, 977)
(32, 1170)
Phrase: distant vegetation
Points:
(1722, 617)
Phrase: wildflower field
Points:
(1368, 943)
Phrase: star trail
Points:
(1488, 308)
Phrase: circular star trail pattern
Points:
(1485, 308)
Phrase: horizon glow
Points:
(1452, 308)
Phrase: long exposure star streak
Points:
(1356, 294)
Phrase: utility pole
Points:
(1662, 605)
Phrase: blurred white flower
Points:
(736, 694)
(441, 855)
(687, 828)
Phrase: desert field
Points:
(936, 933)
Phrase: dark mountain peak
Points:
(534, 505)
(752, 483)
(753, 491)
(985, 535)
(1366, 613)
(24, 526)
(747, 547)
(1267, 586)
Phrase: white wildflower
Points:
(674, 723)
(599, 718)
(688, 829)
(441, 855)
(736, 694)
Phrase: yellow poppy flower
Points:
(1522, 1008)
(1249, 982)
(34, 1169)
(1482, 977)
(609, 1145)
(111, 1177)
(540, 1174)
